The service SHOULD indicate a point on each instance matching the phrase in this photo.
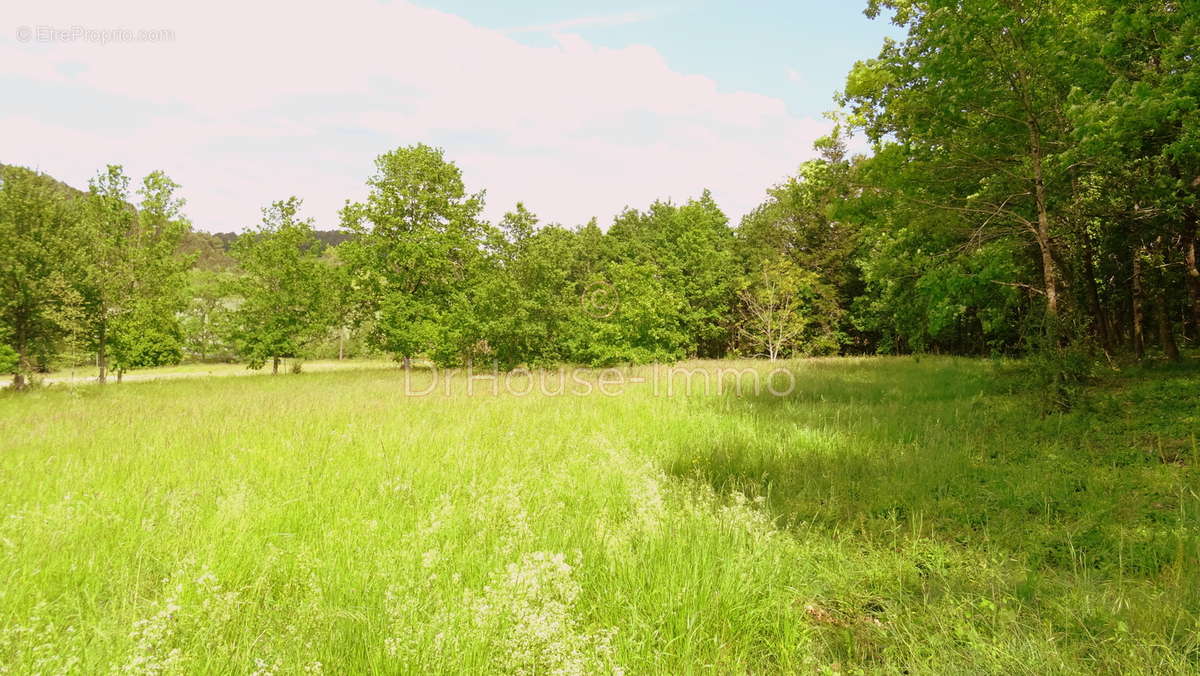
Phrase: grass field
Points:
(886, 516)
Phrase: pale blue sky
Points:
(797, 50)
(577, 108)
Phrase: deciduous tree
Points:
(283, 290)
(38, 263)
(418, 242)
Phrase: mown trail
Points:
(887, 515)
(87, 376)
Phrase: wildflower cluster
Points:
(530, 605)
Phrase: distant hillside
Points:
(211, 249)
(327, 237)
(212, 253)
(58, 185)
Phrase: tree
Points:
(691, 247)
(108, 273)
(1138, 149)
(779, 310)
(1030, 154)
(148, 332)
(9, 361)
(39, 229)
(629, 312)
(799, 223)
(208, 252)
(338, 296)
(417, 248)
(133, 277)
(205, 321)
(529, 293)
(974, 100)
(284, 295)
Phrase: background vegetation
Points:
(1033, 180)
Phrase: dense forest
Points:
(1033, 180)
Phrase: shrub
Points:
(8, 359)
(1061, 372)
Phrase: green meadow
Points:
(882, 515)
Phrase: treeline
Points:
(211, 251)
(89, 272)
(1034, 179)
(418, 273)
(100, 275)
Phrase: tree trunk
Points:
(1166, 337)
(1193, 275)
(102, 355)
(275, 366)
(1137, 340)
(1120, 322)
(1099, 318)
(341, 343)
(23, 367)
(407, 363)
(120, 375)
(1162, 306)
(1049, 272)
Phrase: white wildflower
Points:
(530, 605)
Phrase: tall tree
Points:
(38, 263)
(133, 278)
(779, 308)
(148, 332)
(283, 288)
(418, 244)
(205, 319)
(108, 275)
(529, 295)
(973, 98)
(1139, 146)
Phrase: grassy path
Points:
(80, 376)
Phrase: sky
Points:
(576, 108)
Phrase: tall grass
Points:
(886, 516)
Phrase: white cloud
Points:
(253, 102)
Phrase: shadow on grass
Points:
(892, 450)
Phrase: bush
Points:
(1060, 371)
(8, 359)
(146, 348)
